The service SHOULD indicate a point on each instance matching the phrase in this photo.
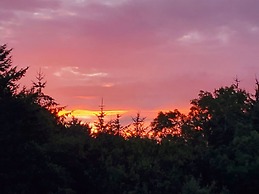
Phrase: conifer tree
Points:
(138, 125)
(8, 75)
(257, 90)
(41, 98)
(115, 126)
(100, 125)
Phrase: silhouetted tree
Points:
(139, 129)
(214, 149)
(40, 84)
(219, 115)
(25, 129)
(255, 108)
(257, 90)
(9, 75)
(100, 124)
(44, 100)
(114, 126)
(168, 123)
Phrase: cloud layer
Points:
(144, 54)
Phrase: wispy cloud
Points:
(99, 74)
(74, 72)
(191, 37)
(85, 97)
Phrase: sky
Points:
(138, 55)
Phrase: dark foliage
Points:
(213, 149)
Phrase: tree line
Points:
(212, 149)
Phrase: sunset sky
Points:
(139, 55)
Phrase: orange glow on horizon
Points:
(90, 114)
(127, 131)
(87, 114)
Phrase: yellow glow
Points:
(81, 113)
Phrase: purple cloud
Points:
(154, 53)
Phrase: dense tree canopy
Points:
(213, 149)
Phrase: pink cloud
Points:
(13, 5)
(136, 54)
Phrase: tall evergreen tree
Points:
(139, 129)
(100, 124)
(9, 74)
